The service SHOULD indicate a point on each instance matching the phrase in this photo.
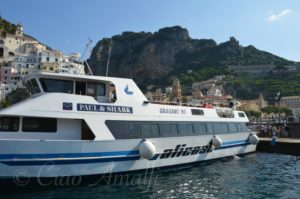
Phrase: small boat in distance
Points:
(80, 125)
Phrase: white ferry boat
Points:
(70, 126)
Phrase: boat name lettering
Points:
(172, 111)
(182, 150)
(104, 108)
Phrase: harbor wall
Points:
(281, 145)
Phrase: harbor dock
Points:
(289, 146)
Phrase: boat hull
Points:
(39, 159)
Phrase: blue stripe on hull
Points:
(225, 145)
(231, 144)
(60, 162)
(68, 155)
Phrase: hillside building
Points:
(292, 68)
(252, 69)
(291, 102)
(21, 55)
(255, 105)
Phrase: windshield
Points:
(33, 87)
(58, 86)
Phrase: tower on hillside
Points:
(19, 30)
(176, 90)
(261, 101)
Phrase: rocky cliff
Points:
(152, 58)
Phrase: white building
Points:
(292, 68)
(16, 44)
(216, 92)
(21, 55)
(291, 102)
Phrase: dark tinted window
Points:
(95, 89)
(220, 128)
(133, 131)
(209, 127)
(55, 85)
(197, 112)
(185, 128)
(149, 130)
(35, 86)
(80, 88)
(30, 88)
(244, 127)
(239, 127)
(233, 127)
(241, 114)
(120, 129)
(199, 128)
(9, 123)
(168, 129)
(35, 124)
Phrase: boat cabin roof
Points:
(126, 89)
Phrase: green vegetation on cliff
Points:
(154, 58)
(245, 87)
(6, 27)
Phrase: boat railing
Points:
(221, 111)
(179, 104)
(172, 103)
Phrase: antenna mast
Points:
(109, 51)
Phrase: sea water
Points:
(258, 175)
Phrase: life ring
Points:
(147, 150)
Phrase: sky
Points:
(66, 25)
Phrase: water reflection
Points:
(259, 175)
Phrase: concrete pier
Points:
(289, 146)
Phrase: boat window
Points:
(149, 130)
(30, 88)
(199, 128)
(168, 129)
(244, 127)
(220, 128)
(112, 93)
(35, 86)
(95, 89)
(241, 114)
(239, 127)
(36, 124)
(209, 127)
(119, 129)
(9, 124)
(80, 88)
(133, 131)
(57, 85)
(233, 128)
(197, 112)
(185, 128)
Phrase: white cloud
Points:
(276, 17)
